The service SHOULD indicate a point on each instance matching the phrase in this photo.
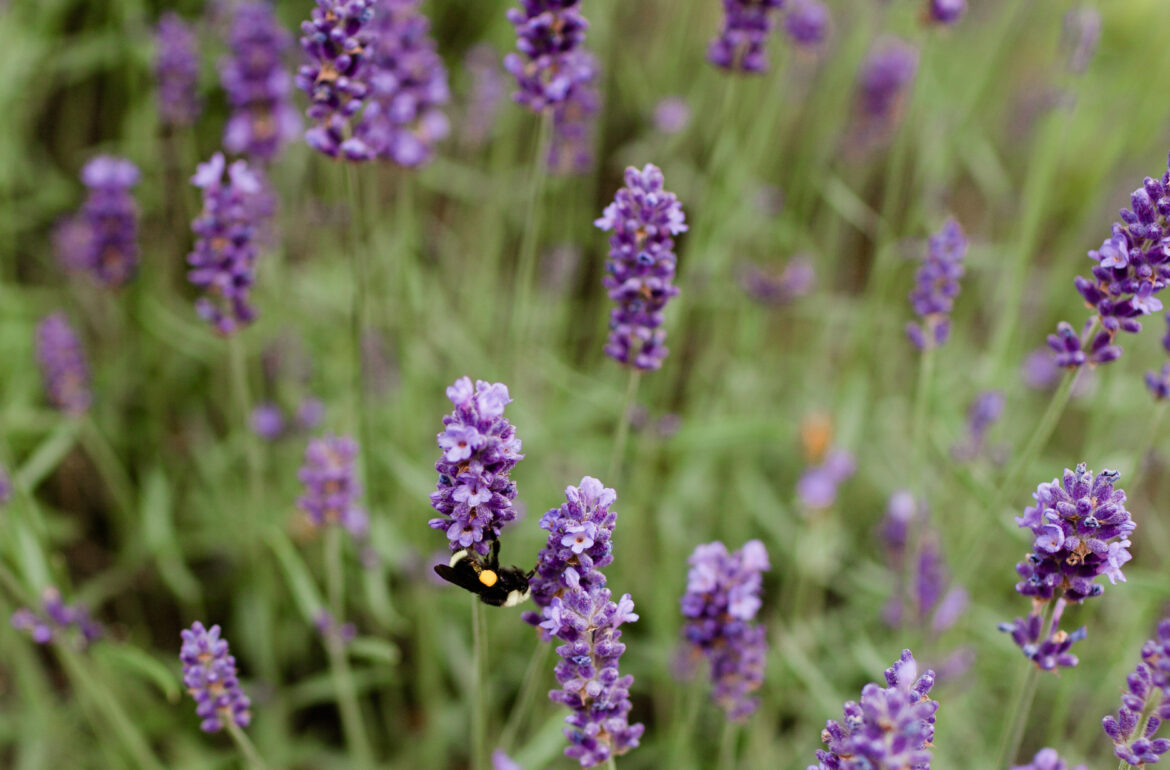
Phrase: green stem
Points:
(347, 703)
(611, 763)
(109, 466)
(241, 393)
(521, 313)
(360, 275)
(921, 412)
(623, 427)
(1025, 694)
(527, 696)
(685, 727)
(479, 713)
(1151, 438)
(334, 570)
(1042, 433)
(245, 746)
(727, 746)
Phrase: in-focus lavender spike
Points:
(257, 84)
(640, 270)
(209, 674)
(1145, 698)
(548, 35)
(720, 605)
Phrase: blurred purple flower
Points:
(501, 761)
(257, 84)
(403, 118)
(807, 22)
(63, 366)
(984, 412)
(57, 622)
(1144, 705)
(936, 286)
(479, 447)
(946, 11)
(795, 281)
(922, 583)
(223, 261)
(1082, 32)
(209, 674)
(487, 92)
(176, 69)
(111, 215)
(672, 115)
(817, 487)
(883, 84)
(72, 243)
(891, 727)
(332, 631)
(641, 265)
(1039, 370)
(267, 421)
(5, 486)
(337, 40)
(720, 605)
(310, 413)
(549, 34)
(1047, 759)
(1159, 383)
(1081, 531)
(573, 119)
(331, 485)
(746, 27)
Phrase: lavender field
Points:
(532, 384)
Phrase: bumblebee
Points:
(483, 576)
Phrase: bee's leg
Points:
(495, 557)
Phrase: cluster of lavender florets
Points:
(720, 606)
(936, 285)
(474, 494)
(57, 621)
(176, 67)
(640, 271)
(548, 34)
(64, 369)
(1144, 705)
(1047, 759)
(890, 727)
(946, 11)
(983, 413)
(332, 489)
(747, 24)
(209, 674)
(110, 218)
(1081, 531)
(223, 261)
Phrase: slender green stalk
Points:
(479, 709)
(360, 275)
(684, 728)
(921, 412)
(727, 746)
(522, 312)
(611, 763)
(244, 743)
(1042, 433)
(109, 466)
(1123, 764)
(334, 570)
(1022, 702)
(241, 394)
(622, 435)
(527, 697)
(1151, 438)
(347, 703)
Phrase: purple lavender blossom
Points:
(936, 286)
(817, 487)
(57, 622)
(1159, 383)
(1047, 759)
(63, 366)
(946, 11)
(1081, 531)
(672, 115)
(267, 421)
(923, 594)
(1081, 33)
(257, 84)
(487, 93)
(641, 265)
(223, 262)
(403, 118)
(71, 243)
(548, 35)
(882, 86)
(176, 68)
(310, 413)
(579, 544)
(746, 26)
(331, 486)
(1144, 705)
(112, 218)
(501, 761)
(589, 624)
(338, 40)
(1070, 350)
(1039, 370)
(984, 412)
(5, 486)
(807, 22)
(795, 281)
(890, 728)
(474, 494)
(720, 604)
(209, 674)
(574, 119)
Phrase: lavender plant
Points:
(745, 29)
(57, 622)
(1144, 705)
(936, 286)
(176, 69)
(209, 674)
(64, 369)
(332, 489)
(111, 217)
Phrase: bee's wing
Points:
(464, 578)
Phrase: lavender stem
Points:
(521, 313)
(623, 427)
(479, 688)
(611, 763)
(527, 697)
(921, 409)
(727, 758)
(245, 746)
(241, 393)
(347, 703)
(1025, 694)
(360, 270)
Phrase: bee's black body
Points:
(499, 587)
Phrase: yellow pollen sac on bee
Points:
(488, 578)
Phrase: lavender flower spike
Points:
(589, 624)
(548, 34)
(1144, 705)
(1047, 759)
(807, 22)
(176, 68)
(882, 87)
(57, 621)
(63, 365)
(223, 262)
(331, 486)
(1081, 531)
(257, 84)
(209, 674)
(946, 11)
(479, 449)
(112, 218)
(984, 412)
(337, 40)
(579, 544)
(936, 286)
(746, 26)
(720, 603)
(890, 728)
(573, 120)
(408, 87)
(1159, 383)
(641, 265)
